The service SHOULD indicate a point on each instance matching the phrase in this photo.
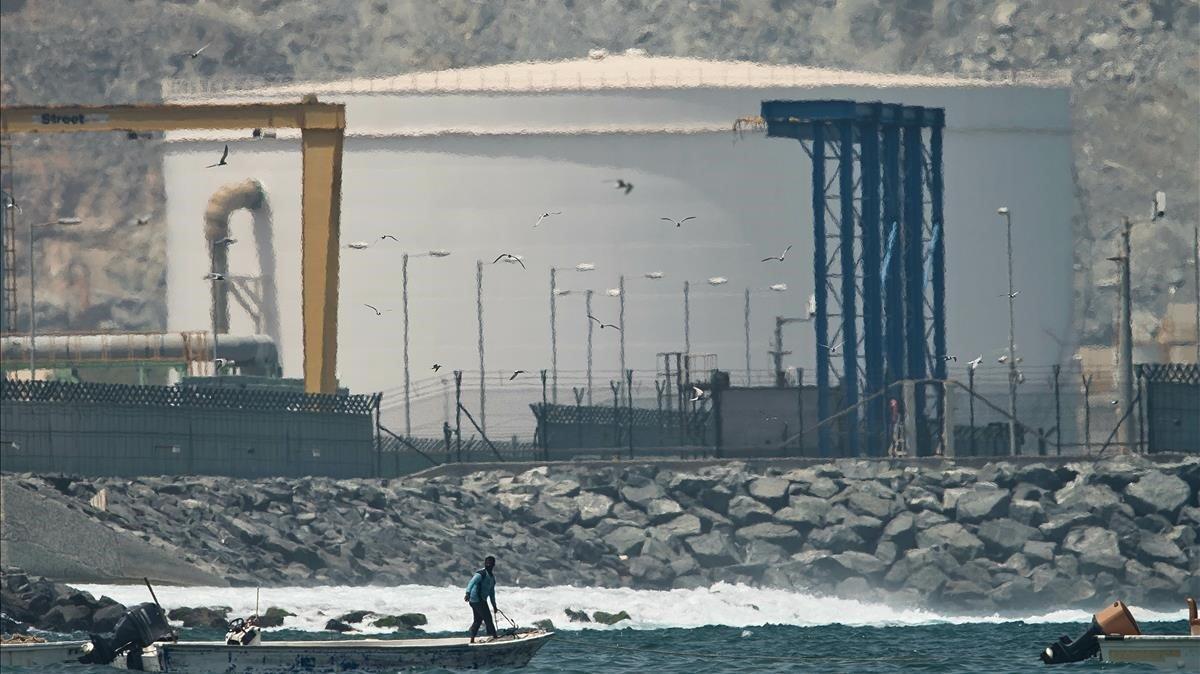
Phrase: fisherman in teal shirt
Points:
(482, 586)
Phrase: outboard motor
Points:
(141, 626)
(1115, 619)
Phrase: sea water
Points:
(723, 628)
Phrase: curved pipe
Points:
(250, 195)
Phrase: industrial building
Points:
(467, 160)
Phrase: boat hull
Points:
(364, 655)
(1167, 651)
(40, 655)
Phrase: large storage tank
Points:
(466, 160)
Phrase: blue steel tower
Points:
(878, 261)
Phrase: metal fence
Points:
(103, 429)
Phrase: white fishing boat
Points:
(359, 655)
(39, 654)
(143, 640)
(1116, 637)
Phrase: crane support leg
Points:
(322, 158)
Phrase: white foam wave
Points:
(721, 604)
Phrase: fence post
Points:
(629, 417)
(544, 421)
(616, 391)
(1141, 410)
(910, 416)
(1057, 413)
(658, 394)
(971, 404)
(947, 420)
(1087, 412)
(800, 387)
(578, 416)
(458, 414)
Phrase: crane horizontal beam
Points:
(167, 117)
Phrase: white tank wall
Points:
(478, 195)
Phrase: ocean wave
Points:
(722, 604)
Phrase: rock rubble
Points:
(1002, 537)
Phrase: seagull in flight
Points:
(377, 311)
(834, 349)
(515, 373)
(389, 236)
(142, 220)
(224, 242)
(358, 245)
(436, 367)
(780, 256)
(621, 184)
(1013, 294)
(679, 222)
(224, 157)
(214, 276)
(510, 258)
(196, 53)
(697, 394)
(949, 358)
(1002, 359)
(543, 216)
(603, 324)
(975, 362)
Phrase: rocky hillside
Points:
(1002, 537)
(1133, 64)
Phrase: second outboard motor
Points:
(1115, 619)
(141, 626)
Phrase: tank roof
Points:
(602, 72)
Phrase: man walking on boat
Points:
(482, 586)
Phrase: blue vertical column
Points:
(820, 288)
(894, 306)
(939, 245)
(849, 311)
(914, 270)
(872, 309)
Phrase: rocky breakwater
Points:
(32, 602)
(1001, 537)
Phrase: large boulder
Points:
(981, 503)
(626, 540)
(1096, 547)
(592, 507)
(865, 503)
(216, 616)
(1158, 493)
(1057, 525)
(1156, 547)
(641, 496)
(901, 530)
(836, 538)
(745, 510)
(767, 531)
(772, 491)
(803, 511)
(1080, 496)
(1027, 512)
(860, 564)
(1039, 475)
(713, 549)
(662, 509)
(610, 618)
(555, 515)
(1003, 536)
(954, 537)
(682, 526)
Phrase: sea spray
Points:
(722, 604)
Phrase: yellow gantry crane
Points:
(322, 129)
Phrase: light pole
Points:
(404, 296)
(1125, 353)
(778, 288)
(581, 267)
(32, 294)
(1012, 359)
(482, 371)
(687, 319)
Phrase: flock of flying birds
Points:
(619, 184)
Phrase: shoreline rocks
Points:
(1000, 538)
